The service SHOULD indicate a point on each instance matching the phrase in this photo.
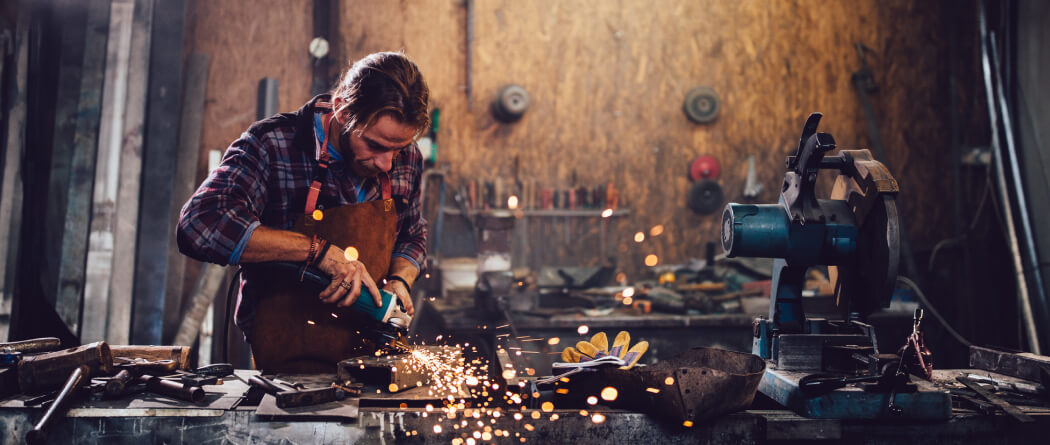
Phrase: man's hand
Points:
(398, 288)
(347, 278)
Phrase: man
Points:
(334, 185)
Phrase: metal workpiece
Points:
(392, 373)
(698, 385)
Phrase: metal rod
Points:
(993, 121)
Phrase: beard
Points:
(360, 168)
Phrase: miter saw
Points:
(856, 233)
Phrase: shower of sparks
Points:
(669, 381)
(609, 394)
(583, 329)
(597, 418)
(350, 253)
(688, 424)
(653, 390)
(651, 260)
(553, 341)
(657, 230)
(639, 237)
(592, 400)
(607, 213)
(512, 202)
(318, 215)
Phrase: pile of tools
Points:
(51, 377)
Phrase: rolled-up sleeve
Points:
(215, 224)
(412, 234)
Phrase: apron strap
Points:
(323, 158)
(384, 182)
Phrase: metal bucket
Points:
(699, 384)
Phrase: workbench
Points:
(393, 425)
(668, 335)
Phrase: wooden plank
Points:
(190, 124)
(127, 212)
(107, 169)
(155, 219)
(11, 185)
(71, 277)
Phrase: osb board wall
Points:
(607, 80)
(247, 41)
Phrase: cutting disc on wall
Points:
(702, 105)
(705, 197)
(704, 167)
(510, 103)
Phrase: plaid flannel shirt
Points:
(263, 180)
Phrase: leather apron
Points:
(293, 330)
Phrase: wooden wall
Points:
(607, 79)
(247, 41)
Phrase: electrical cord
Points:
(922, 297)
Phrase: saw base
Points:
(852, 402)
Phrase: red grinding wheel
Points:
(704, 167)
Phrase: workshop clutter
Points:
(37, 373)
(499, 193)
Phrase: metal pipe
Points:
(1022, 200)
(993, 120)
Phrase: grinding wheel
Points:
(510, 103)
(705, 197)
(702, 105)
(868, 283)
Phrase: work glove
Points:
(596, 352)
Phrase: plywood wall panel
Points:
(247, 41)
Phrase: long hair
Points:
(383, 83)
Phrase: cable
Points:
(922, 297)
(234, 284)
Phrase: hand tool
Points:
(1013, 411)
(392, 321)
(289, 397)
(173, 389)
(48, 370)
(1018, 387)
(117, 385)
(130, 370)
(179, 354)
(76, 378)
(35, 345)
(206, 375)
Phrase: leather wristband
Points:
(324, 251)
(402, 280)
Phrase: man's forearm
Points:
(267, 244)
(404, 268)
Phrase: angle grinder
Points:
(392, 321)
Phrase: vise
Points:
(856, 233)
